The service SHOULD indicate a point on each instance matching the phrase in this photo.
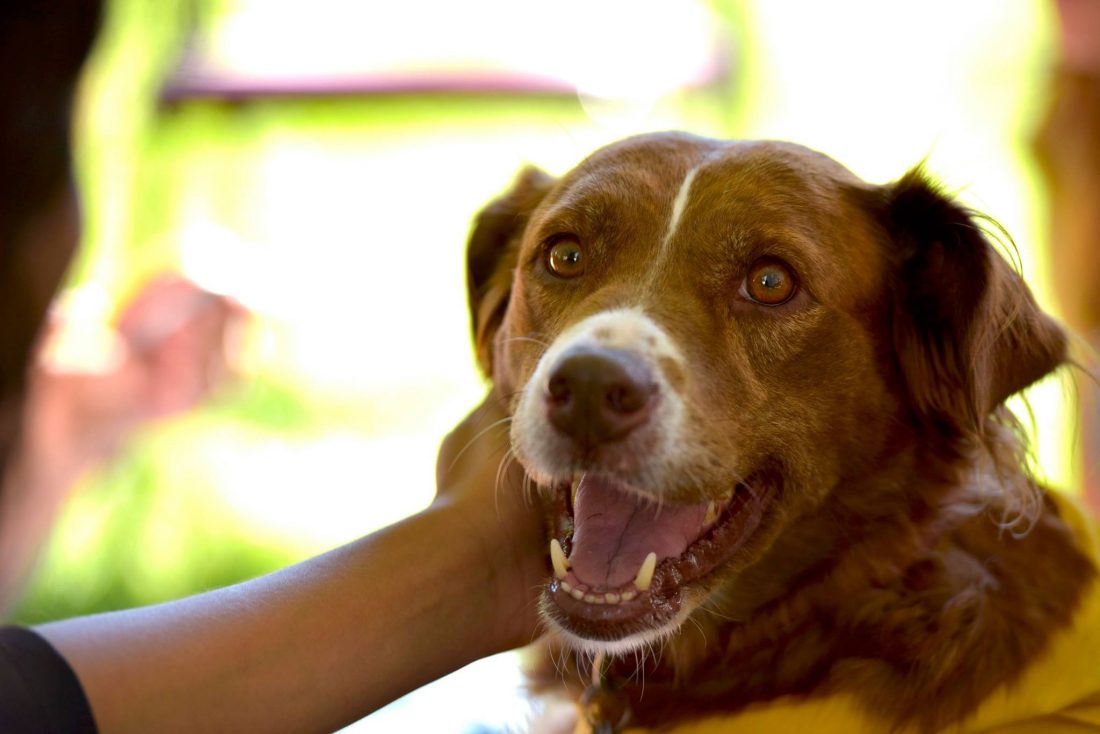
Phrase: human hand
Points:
(95, 383)
(479, 480)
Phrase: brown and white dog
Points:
(763, 403)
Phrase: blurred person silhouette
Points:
(310, 648)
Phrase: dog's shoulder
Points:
(996, 603)
(972, 622)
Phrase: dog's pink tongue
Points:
(614, 530)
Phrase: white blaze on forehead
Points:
(679, 204)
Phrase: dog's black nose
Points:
(596, 395)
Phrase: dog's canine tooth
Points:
(645, 573)
(712, 513)
(573, 489)
(557, 557)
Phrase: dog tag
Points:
(606, 711)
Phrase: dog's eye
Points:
(565, 258)
(769, 282)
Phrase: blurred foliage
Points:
(149, 528)
(138, 535)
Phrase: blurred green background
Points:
(337, 213)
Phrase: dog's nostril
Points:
(559, 390)
(595, 395)
(627, 398)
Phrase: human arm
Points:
(318, 645)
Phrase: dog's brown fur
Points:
(909, 557)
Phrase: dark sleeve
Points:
(39, 692)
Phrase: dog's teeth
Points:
(645, 573)
(594, 598)
(566, 587)
(557, 557)
(577, 594)
(612, 598)
(573, 489)
(628, 595)
(712, 513)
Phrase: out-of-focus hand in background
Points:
(94, 384)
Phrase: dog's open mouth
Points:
(622, 562)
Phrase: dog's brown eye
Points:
(769, 282)
(565, 258)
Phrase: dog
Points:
(763, 404)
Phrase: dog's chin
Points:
(643, 640)
(596, 608)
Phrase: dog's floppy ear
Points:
(491, 257)
(967, 331)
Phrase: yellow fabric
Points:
(1058, 694)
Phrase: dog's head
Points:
(706, 343)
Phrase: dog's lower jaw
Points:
(647, 640)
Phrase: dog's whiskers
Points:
(699, 627)
(531, 339)
(724, 617)
(476, 436)
(502, 469)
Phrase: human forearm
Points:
(309, 648)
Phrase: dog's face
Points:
(702, 344)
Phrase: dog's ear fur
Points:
(967, 331)
(491, 257)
